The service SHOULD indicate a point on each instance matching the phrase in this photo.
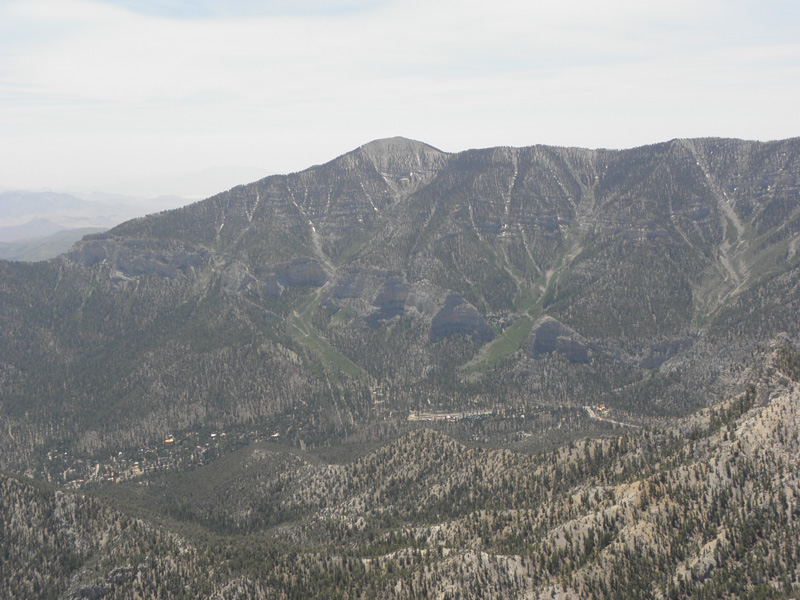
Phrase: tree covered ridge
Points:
(708, 509)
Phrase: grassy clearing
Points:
(343, 316)
(511, 339)
(333, 361)
(508, 343)
(731, 234)
(528, 303)
(526, 298)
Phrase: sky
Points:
(151, 96)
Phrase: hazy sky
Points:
(105, 94)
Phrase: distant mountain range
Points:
(42, 225)
(35, 248)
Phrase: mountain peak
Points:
(399, 155)
(396, 144)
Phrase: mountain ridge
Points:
(400, 266)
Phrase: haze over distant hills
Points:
(41, 225)
(36, 225)
(31, 249)
(516, 299)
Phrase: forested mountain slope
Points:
(330, 304)
(708, 508)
